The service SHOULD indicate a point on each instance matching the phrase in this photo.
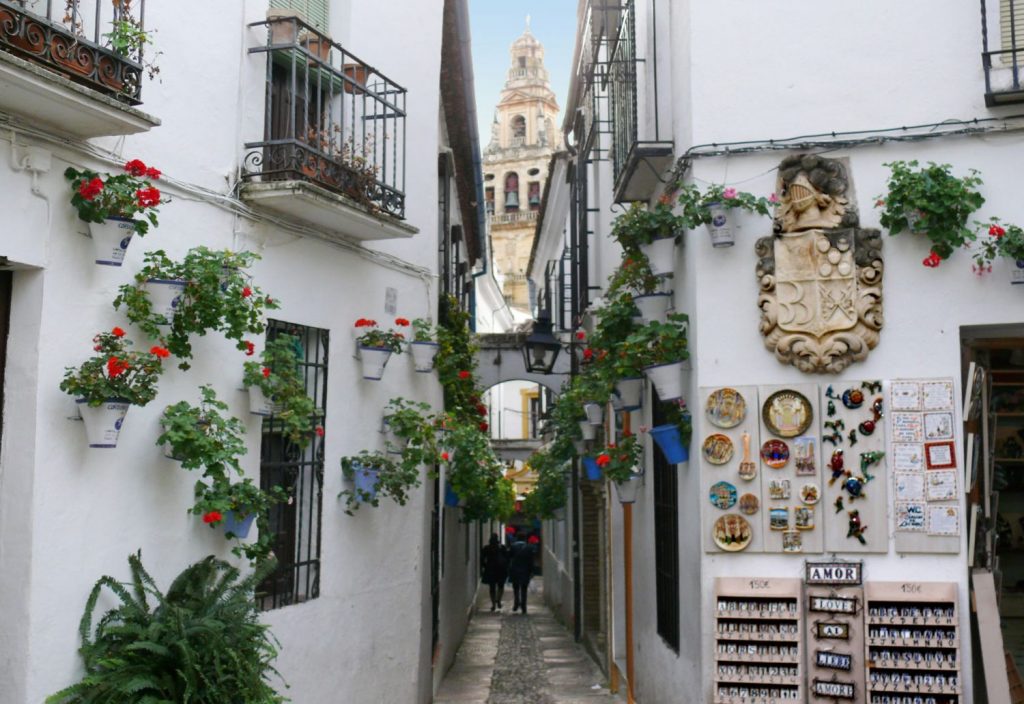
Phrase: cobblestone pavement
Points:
(509, 658)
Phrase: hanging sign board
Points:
(833, 661)
(834, 573)
(839, 631)
(838, 690)
(833, 604)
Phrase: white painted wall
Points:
(69, 514)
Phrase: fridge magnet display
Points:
(907, 427)
(940, 455)
(855, 527)
(749, 504)
(803, 518)
(853, 398)
(836, 427)
(718, 448)
(726, 408)
(723, 495)
(831, 630)
(731, 532)
(910, 516)
(787, 413)
(804, 456)
(909, 486)
(837, 463)
(907, 457)
(943, 520)
(938, 426)
(775, 453)
(833, 661)
(778, 519)
(836, 690)
(748, 468)
(778, 489)
(940, 486)
(792, 541)
(937, 395)
(809, 494)
(906, 396)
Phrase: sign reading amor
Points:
(839, 690)
(834, 573)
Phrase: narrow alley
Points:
(509, 658)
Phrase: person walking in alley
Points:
(520, 569)
(494, 569)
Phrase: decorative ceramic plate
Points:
(775, 453)
(726, 408)
(749, 504)
(787, 413)
(809, 494)
(731, 532)
(722, 495)
(718, 448)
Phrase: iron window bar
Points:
(998, 90)
(74, 45)
(330, 119)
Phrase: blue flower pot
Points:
(670, 442)
(366, 480)
(593, 470)
(238, 527)
(450, 497)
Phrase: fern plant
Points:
(200, 643)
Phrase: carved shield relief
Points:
(820, 278)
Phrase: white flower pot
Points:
(589, 431)
(654, 307)
(110, 239)
(629, 490)
(423, 354)
(630, 392)
(164, 297)
(374, 360)
(595, 413)
(661, 255)
(722, 227)
(259, 403)
(580, 445)
(103, 422)
(394, 444)
(1017, 272)
(667, 379)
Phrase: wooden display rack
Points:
(919, 620)
(758, 641)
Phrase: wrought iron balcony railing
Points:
(331, 119)
(1002, 25)
(92, 42)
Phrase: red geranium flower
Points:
(212, 517)
(160, 352)
(116, 367)
(402, 322)
(533, 540)
(510, 530)
(481, 409)
(153, 173)
(932, 260)
(444, 456)
(484, 427)
(464, 374)
(117, 332)
(246, 292)
(266, 372)
(90, 189)
(580, 335)
(996, 231)
(148, 197)
(603, 459)
(135, 167)
(588, 354)
(250, 349)
(319, 431)
(270, 301)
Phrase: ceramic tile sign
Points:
(835, 642)
(855, 467)
(924, 461)
(727, 438)
(789, 463)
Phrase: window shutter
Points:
(1014, 9)
(314, 11)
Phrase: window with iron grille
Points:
(295, 525)
(1011, 29)
(315, 12)
(666, 541)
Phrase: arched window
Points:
(518, 126)
(511, 192)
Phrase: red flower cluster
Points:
(484, 427)
(932, 260)
(481, 409)
(445, 456)
(148, 197)
(250, 349)
(580, 335)
(116, 367)
(588, 354)
(160, 352)
(366, 323)
(533, 540)
(90, 189)
(996, 231)
(319, 431)
(117, 332)
(212, 517)
(401, 322)
(510, 530)
(603, 459)
(137, 168)
(246, 292)
(266, 372)
(464, 374)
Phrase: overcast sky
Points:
(495, 25)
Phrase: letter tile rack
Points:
(758, 641)
(913, 642)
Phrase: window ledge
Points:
(335, 215)
(41, 96)
(641, 174)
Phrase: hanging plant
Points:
(414, 425)
(376, 475)
(549, 493)
(101, 197)
(115, 372)
(233, 506)
(279, 377)
(218, 296)
(620, 461)
(933, 202)
(200, 436)
(1004, 240)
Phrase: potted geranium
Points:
(663, 348)
(233, 507)
(277, 387)
(375, 474)
(1004, 240)
(106, 384)
(652, 233)
(673, 436)
(376, 347)
(200, 436)
(116, 207)
(715, 208)
(409, 426)
(424, 345)
(933, 202)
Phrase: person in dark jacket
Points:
(520, 569)
(494, 569)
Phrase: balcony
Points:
(63, 74)
(332, 152)
(1002, 24)
(516, 218)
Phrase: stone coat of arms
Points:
(820, 275)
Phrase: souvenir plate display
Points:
(758, 648)
(723, 495)
(718, 448)
(787, 413)
(775, 453)
(854, 498)
(726, 408)
(912, 643)
(732, 532)
(749, 504)
(809, 494)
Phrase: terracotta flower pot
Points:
(358, 73)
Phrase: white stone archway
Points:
(500, 359)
